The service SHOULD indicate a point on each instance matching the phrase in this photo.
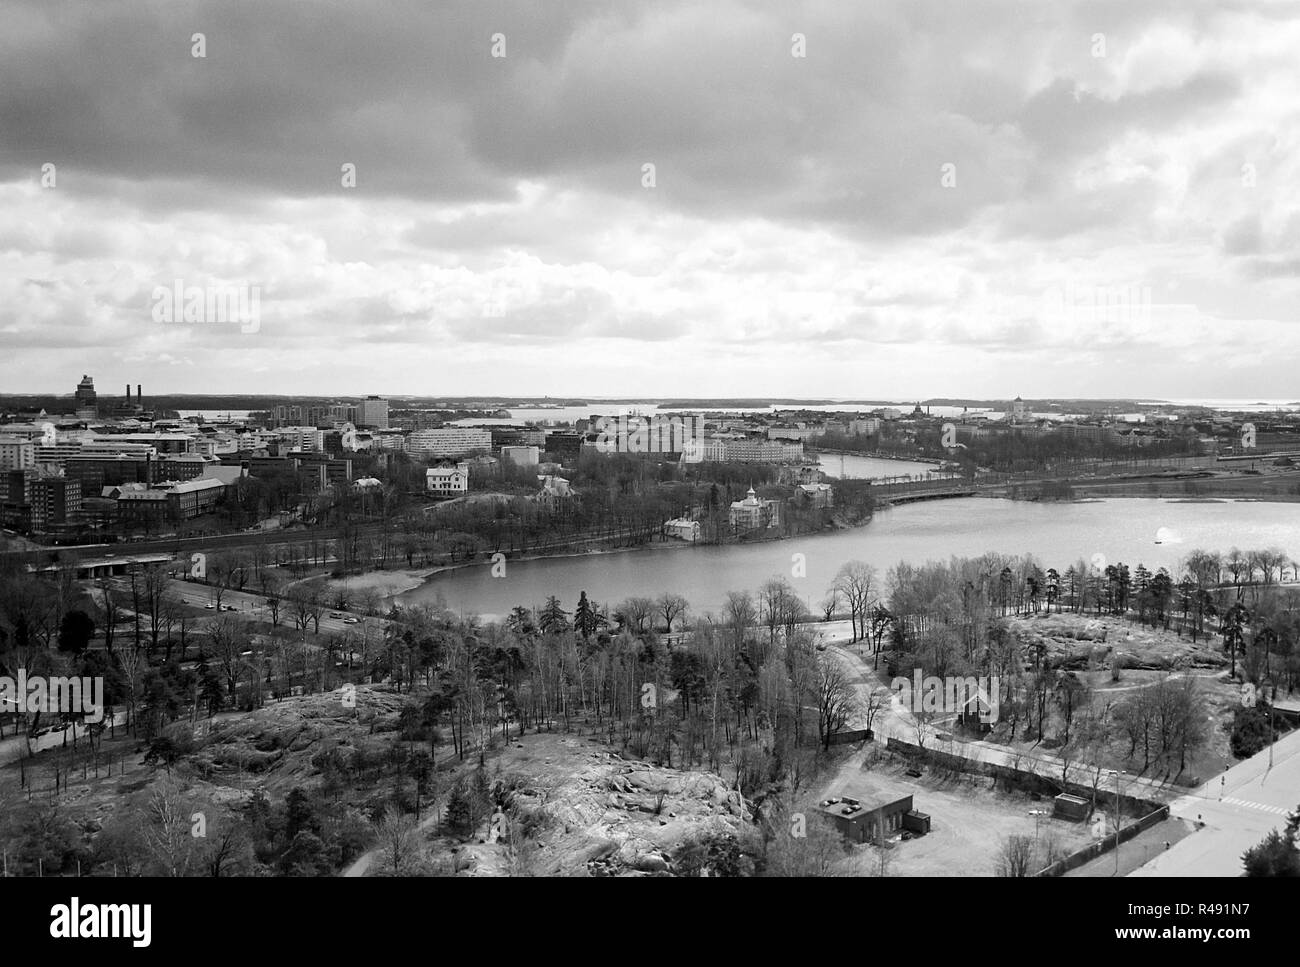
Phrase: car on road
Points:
(351, 621)
(209, 606)
(335, 614)
(230, 607)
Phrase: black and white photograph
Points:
(747, 439)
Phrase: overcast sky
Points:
(926, 203)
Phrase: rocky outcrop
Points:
(602, 815)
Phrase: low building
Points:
(1071, 807)
(192, 498)
(447, 481)
(683, 529)
(863, 823)
(553, 487)
(817, 495)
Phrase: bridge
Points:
(931, 495)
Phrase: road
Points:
(251, 605)
(1238, 808)
(897, 721)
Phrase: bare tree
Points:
(1015, 856)
(670, 606)
(837, 698)
(855, 582)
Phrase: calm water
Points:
(1057, 534)
(853, 467)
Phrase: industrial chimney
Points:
(138, 398)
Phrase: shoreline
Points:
(426, 575)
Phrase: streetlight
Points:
(1117, 773)
(1037, 814)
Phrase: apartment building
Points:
(16, 453)
(751, 451)
(449, 441)
(373, 412)
(302, 438)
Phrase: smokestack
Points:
(128, 394)
(138, 398)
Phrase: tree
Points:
(552, 620)
(1278, 854)
(671, 606)
(837, 698)
(1015, 856)
(635, 612)
(468, 805)
(397, 834)
(75, 631)
(586, 619)
(855, 582)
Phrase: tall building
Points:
(17, 453)
(373, 412)
(54, 500)
(85, 399)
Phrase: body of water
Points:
(1058, 535)
(853, 467)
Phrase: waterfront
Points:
(1057, 534)
(851, 466)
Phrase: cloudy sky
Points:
(847, 199)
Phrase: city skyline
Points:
(894, 202)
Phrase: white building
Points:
(17, 453)
(751, 451)
(447, 481)
(302, 437)
(553, 487)
(682, 529)
(754, 512)
(449, 441)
